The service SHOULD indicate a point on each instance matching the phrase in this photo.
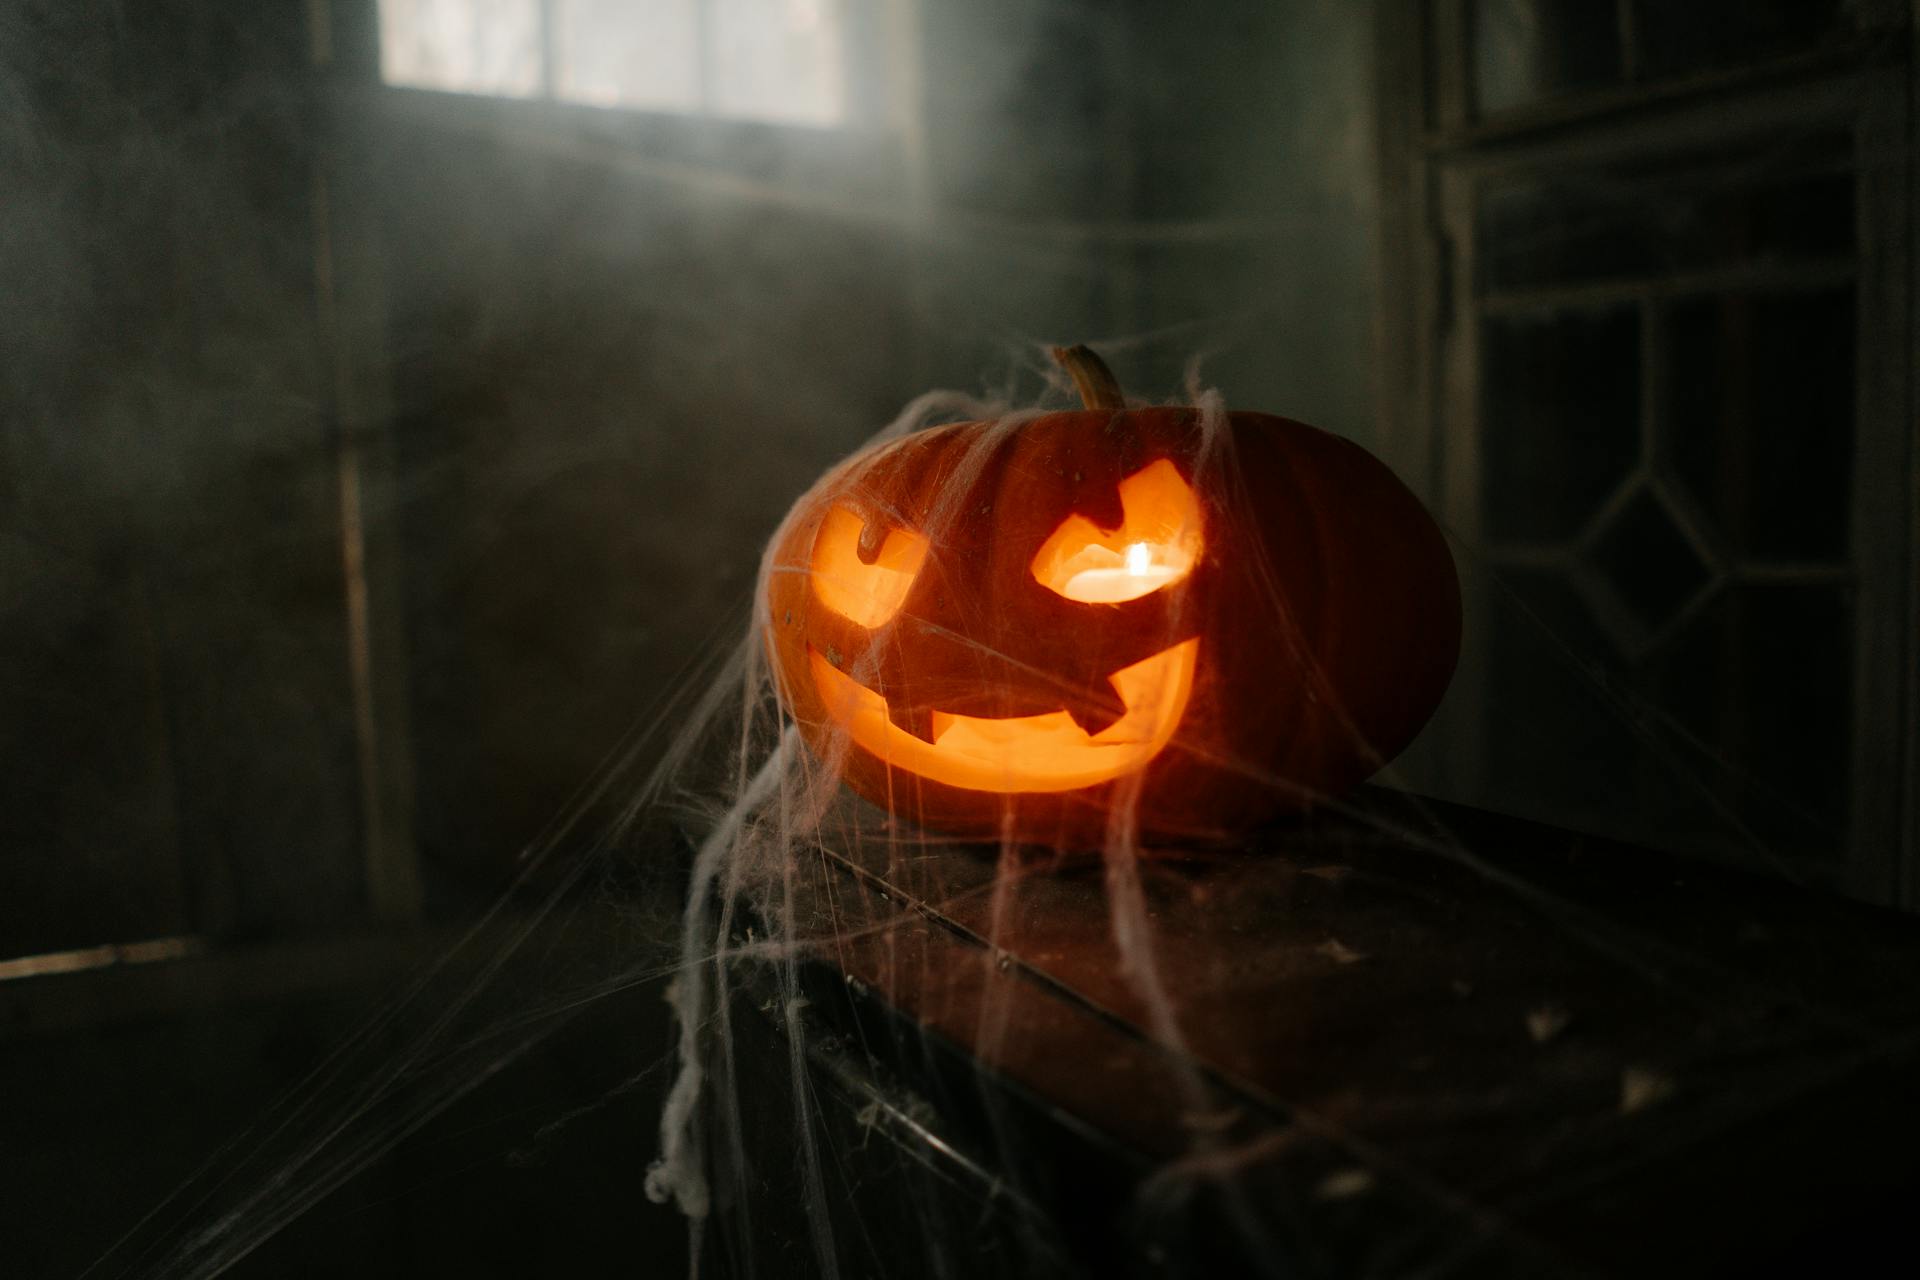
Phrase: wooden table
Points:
(1407, 1039)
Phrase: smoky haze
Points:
(569, 366)
(385, 470)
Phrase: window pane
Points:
(616, 53)
(465, 46)
(1647, 562)
(1566, 229)
(779, 60)
(1701, 35)
(1525, 50)
(1760, 426)
(1688, 213)
(1560, 412)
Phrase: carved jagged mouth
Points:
(1048, 752)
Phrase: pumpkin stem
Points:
(1097, 386)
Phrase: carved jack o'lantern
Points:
(1005, 629)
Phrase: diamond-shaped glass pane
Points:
(1648, 561)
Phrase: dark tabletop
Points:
(1407, 1038)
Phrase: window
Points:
(1661, 339)
(463, 46)
(781, 61)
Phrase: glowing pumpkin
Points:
(1005, 629)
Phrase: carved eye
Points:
(1157, 544)
(868, 594)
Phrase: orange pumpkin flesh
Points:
(1006, 629)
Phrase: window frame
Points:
(1437, 160)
